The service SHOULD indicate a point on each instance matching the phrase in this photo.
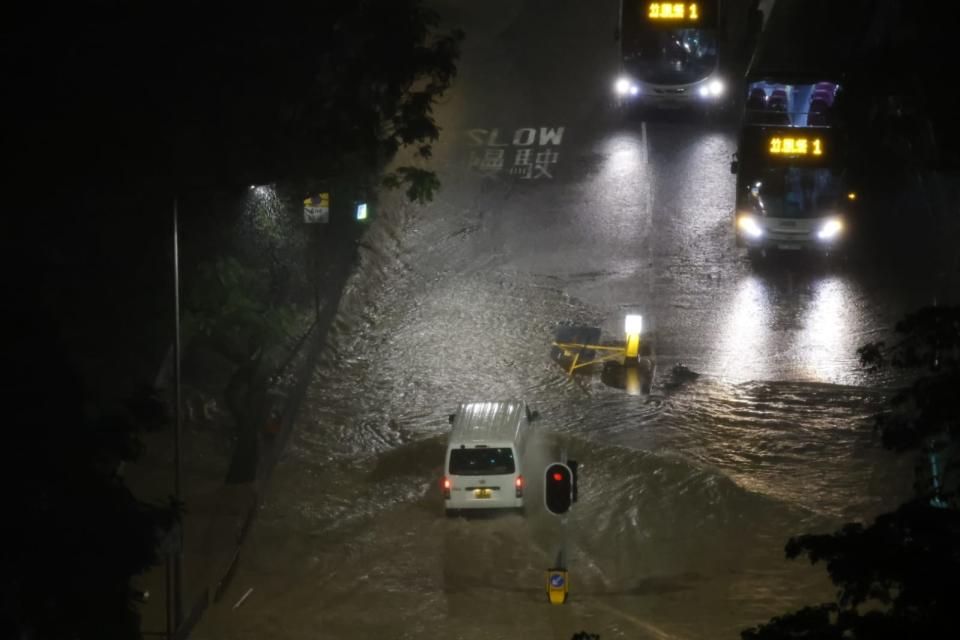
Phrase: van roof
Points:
(487, 422)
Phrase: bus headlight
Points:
(749, 226)
(625, 86)
(830, 229)
(712, 89)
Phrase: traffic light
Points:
(558, 488)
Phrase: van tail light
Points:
(446, 488)
(519, 484)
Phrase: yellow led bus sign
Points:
(674, 11)
(796, 146)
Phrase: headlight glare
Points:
(622, 86)
(830, 229)
(749, 226)
(716, 88)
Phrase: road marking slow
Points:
(530, 154)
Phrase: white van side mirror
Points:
(451, 417)
(532, 415)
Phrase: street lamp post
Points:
(178, 553)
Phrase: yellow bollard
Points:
(558, 584)
(633, 346)
(633, 327)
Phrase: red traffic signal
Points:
(558, 488)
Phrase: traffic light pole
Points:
(558, 585)
(178, 426)
(562, 554)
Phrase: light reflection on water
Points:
(623, 157)
(781, 326)
(827, 341)
(745, 335)
(618, 209)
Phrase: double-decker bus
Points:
(671, 53)
(792, 186)
(793, 189)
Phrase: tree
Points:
(899, 577)
(925, 414)
(228, 311)
(894, 106)
(310, 91)
(73, 534)
(189, 95)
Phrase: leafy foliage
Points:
(228, 310)
(897, 578)
(900, 576)
(907, 574)
(119, 105)
(925, 414)
(228, 307)
(216, 94)
(897, 108)
(421, 184)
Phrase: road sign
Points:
(558, 585)
(316, 210)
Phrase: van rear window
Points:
(479, 462)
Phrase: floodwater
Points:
(687, 494)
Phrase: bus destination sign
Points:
(674, 12)
(679, 15)
(795, 145)
(802, 144)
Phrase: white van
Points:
(483, 464)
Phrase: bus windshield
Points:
(670, 56)
(796, 192)
(807, 104)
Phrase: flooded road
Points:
(688, 495)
